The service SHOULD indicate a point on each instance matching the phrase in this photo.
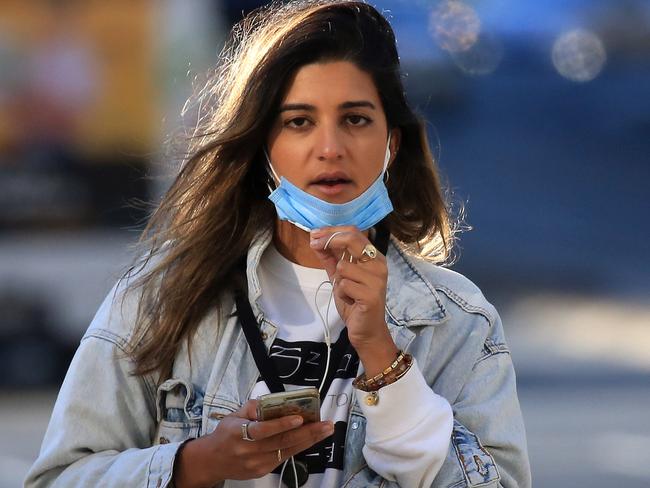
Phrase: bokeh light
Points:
(579, 55)
(482, 58)
(454, 25)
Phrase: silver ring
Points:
(369, 253)
(279, 455)
(244, 432)
(330, 239)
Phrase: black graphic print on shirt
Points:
(302, 363)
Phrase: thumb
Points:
(247, 411)
(328, 260)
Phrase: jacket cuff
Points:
(388, 418)
(161, 467)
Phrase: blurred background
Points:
(539, 113)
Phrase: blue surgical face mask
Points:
(309, 212)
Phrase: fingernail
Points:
(296, 421)
(316, 233)
(328, 428)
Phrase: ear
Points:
(395, 140)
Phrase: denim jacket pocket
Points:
(476, 462)
(214, 412)
(179, 406)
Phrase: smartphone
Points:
(304, 402)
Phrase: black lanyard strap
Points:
(253, 335)
(254, 338)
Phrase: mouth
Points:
(331, 184)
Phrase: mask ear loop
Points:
(272, 173)
(387, 159)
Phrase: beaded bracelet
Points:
(391, 374)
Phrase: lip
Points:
(331, 190)
(335, 175)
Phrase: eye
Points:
(297, 123)
(358, 120)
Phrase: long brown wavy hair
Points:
(217, 202)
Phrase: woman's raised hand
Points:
(359, 290)
(224, 454)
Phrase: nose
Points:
(329, 143)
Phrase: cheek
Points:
(372, 161)
(287, 160)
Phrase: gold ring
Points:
(244, 432)
(369, 253)
(279, 455)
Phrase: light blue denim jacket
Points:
(111, 429)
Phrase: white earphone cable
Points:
(328, 343)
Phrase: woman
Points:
(308, 161)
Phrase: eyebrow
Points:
(312, 108)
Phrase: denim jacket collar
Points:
(405, 288)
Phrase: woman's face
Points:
(329, 137)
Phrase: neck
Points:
(293, 244)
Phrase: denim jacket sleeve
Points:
(488, 444)
(101, 429)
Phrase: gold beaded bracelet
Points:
(391, 374)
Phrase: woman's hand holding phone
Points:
(224, 454)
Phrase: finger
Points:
(329, 254)
(327, 231)
(340, 294)
(350, 242)
(321, 248)
(338, 240)
(293, 451)
(373, 276)
(289, 444)
(268, 461)
(328, 260)
(371, 283)
(307, 434)
(268, 428)
(247, 411)
(358, 293)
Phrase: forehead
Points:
(333, 82)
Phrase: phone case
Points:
(304, 402)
